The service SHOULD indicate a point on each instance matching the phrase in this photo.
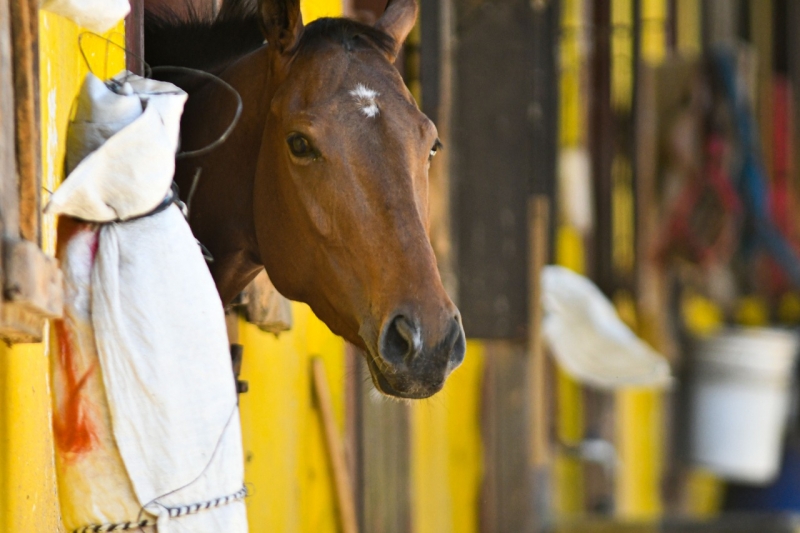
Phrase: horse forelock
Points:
(352, 35)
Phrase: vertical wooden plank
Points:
(761, 13)
(720, 22)
(492, 134)
(507, 494)
(387, 463)
(436, 75)
(24, 27)
(9, 206)
(793, 45)
(543, 178)
(537, 383)
(602, 146)
(333, 443)
(353, 425)
(134, 37)
(541, 226)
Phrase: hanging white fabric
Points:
(589, 340)
(98, 16)
(144, 334)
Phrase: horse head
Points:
(341, 194)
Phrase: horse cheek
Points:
(320, 219)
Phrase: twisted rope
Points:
(174, 512)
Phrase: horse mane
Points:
(199, 39)
(206, 42)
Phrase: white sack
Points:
(589, 340)
(144, 333)
(98, 16)
(139, 151)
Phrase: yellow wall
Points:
(28, 498)
(447, 452)
(287, 470)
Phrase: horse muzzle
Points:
(409, 364)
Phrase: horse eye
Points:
(435, 148)
(300, 146)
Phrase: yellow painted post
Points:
(28, 497)
(568, 491)
(689, 25)
(639, 413)
(571, 108)
(28, 494)
(447, 453)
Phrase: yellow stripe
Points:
(568, 497)
(447, 452)
(567, 473)
(622, 54)
(639, 413)
(689, 41)
(286, 465)
(654, 30)
(28, 499)
(571, 102)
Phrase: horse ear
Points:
(398, 20)
(281, 23)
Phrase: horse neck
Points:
(221, 211)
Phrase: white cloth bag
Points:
(98, 16)
(142, 309)
(588, 339)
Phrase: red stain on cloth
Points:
(71, 426)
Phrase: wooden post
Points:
(31, 281)
(134, 38)
(538, 390)
(333, 442)
(24, 22)
(538, 222)
(602, 147)
(761, 36)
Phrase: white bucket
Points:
(740, 393)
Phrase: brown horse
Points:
(324, 181)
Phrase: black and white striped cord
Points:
(174, 512)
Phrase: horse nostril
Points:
(401, 340)
(459, 346)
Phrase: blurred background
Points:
(652, 146)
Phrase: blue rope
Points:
(751, 180)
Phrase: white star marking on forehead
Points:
(366, 99)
